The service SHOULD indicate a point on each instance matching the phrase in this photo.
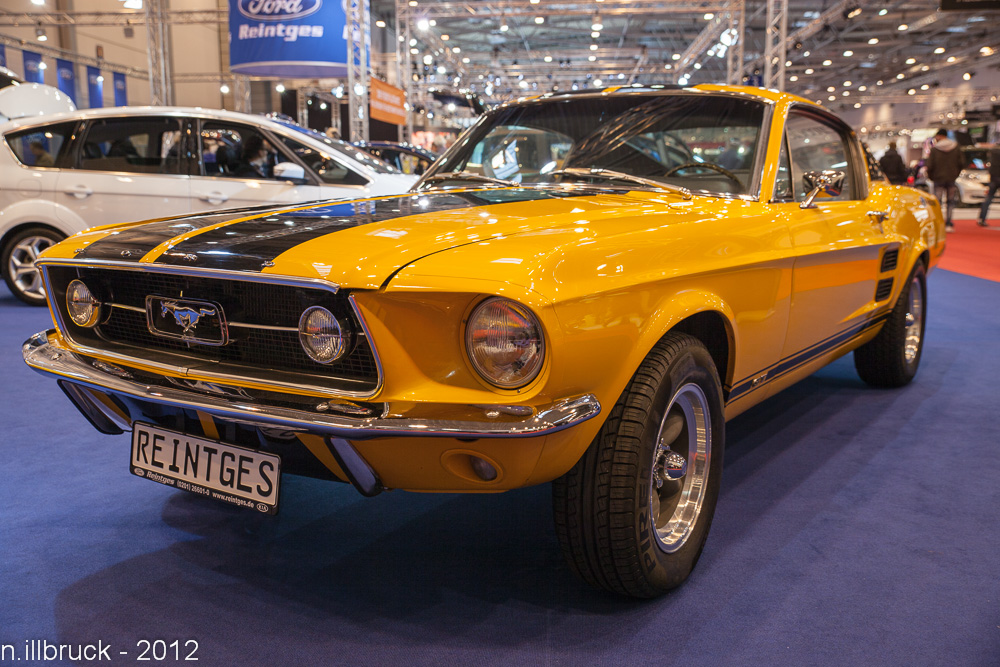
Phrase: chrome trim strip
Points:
(277, 279)
(268, 327)
(246, 276)
(48, 358)
(135, 309)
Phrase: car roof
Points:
(178, 112)
(763, 94)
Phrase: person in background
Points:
(944, 164)
(892, 165)
(42, 156)
(994, 184)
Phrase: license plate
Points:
(231, 474)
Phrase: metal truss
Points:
(119, 18)
(734, 55)
(160, 81)
(53, 52)
(514, 8)
(776, 44)
(705, 39)
(404, 63)
(358, 49)
(241, 93)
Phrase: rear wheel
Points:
(892, 357)
(633, 514)
(18, 256)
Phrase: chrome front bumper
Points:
(470, 421)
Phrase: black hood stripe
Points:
(251, 245)
(132, 244)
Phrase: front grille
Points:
(253, 351)
(883, 289)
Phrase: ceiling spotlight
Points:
(697, 65)
(939, 49)
(539, 20)
(40, 34)
(547, 59)
(466, 60)
(445, 38)
(523, 84)
(322, 106)
(900, 76)
(591, 58)
(857, 105)
(44, 66)
(414, 51)
(830, 89)
(380, 23)
(593, 47)
(911, 91)
(595, 34)
(910, 61)
(280, 88)
(224, 89)
(503, 24)
(827, 63)
(873, 40)
(883, 12)
(846, 93)
(676, 56)
(879, 82)
(902, 27)
(793, 78)
(709, 16)
(862, 88)
(440, 70)
(428, 59)
(38, 2)
(668, 66)
(985, 51)
(968, 76)
(925, 68)
(852, 12)
(597, 25)
(847, 84)
(952, 59)
(433, 22)
(832, 97)
(924, 87)
(423, 24)
(598, 83)
(788, 63)
(848, 53)
(809, 70)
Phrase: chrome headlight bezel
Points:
(502, 375)
(334, 328)
(82, 307)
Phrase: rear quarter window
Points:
(44, 146)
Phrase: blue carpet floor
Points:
(856, 527)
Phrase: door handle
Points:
(80, 191)
(878, 217)
(214, 197)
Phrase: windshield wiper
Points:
(620, 176)
(468, 176)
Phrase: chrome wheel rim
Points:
(914, 321)
(21, 265)
(681, 462)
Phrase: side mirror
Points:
(289, 171)
(830, 181)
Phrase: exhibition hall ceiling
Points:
(836, 49)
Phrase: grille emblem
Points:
(190, 320)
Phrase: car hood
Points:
(363, 243)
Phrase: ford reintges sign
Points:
(277, 10)
(287, 38)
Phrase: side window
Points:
(783, 181)
(137, 145)
(42, 146)
(329, 169)
(235, 151)
(814, 146)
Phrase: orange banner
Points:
(385, 102)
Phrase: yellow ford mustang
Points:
(581, 291)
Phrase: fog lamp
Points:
(321, 335)
(504, 342)
(84, 309)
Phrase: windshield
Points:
(373, 163)
(700, 142)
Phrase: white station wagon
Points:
(64, 173)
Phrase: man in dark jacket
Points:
(944, 164)
(994, 184)
(892, 165)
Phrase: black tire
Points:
(28, 293)
(603, 506)
(891, 358)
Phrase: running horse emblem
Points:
(185, 317)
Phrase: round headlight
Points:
(504, 342)
(84, 309)
(321, 335)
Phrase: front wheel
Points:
(891, 358)
(633, 514)
(18, 256)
